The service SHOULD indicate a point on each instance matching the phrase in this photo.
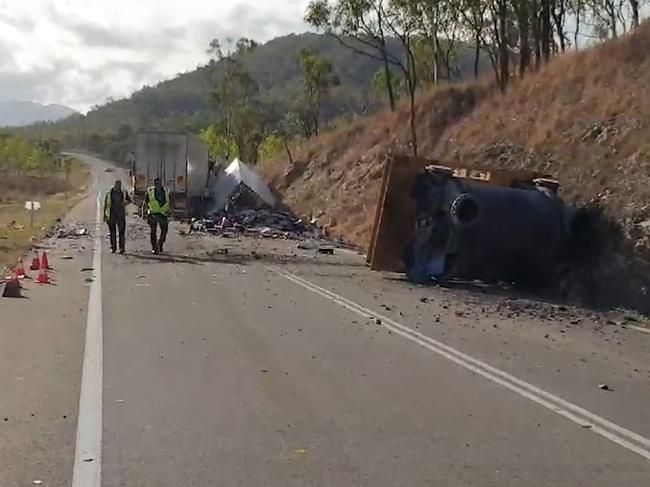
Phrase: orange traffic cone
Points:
(45, 263)
(36, 263)
(43, 278)
(20, 270)
(12, 287)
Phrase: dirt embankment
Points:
(584, 118)
(56, 193)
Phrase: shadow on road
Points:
(240, 259)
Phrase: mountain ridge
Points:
(18, 113)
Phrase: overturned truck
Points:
(440, 222)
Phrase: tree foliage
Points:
(20, 154)
(317, 79)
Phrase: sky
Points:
(81, 52)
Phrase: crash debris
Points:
(71, 230)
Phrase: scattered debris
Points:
(87, 269)
(604, 387)
(326, 251)
(74, 230)
(65, 257)
(265, 223)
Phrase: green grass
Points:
(16, 239)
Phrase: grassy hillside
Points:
(584, 117)
(184, 101)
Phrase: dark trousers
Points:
(154, 222)
(117, 226)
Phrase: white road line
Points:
(639, 328)
(87, 470)
(613, 432)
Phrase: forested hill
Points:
(184, 102)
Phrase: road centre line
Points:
(87, 470)
(605, 428)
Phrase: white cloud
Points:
(80, 52)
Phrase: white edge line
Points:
(638, 328)
(512, 383)
(489, 368)
(87, 470)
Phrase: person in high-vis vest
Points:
(115, 203)
(158, 201)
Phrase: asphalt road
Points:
(280, 367)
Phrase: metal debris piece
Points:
(73, 230)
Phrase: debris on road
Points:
(73, 230)
(604, 387)
(265, 223)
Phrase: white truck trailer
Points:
(181, 161)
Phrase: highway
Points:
(273, 366)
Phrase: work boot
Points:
(122, 251)
(112, 251)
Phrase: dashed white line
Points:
(87, 470)
(605, 428)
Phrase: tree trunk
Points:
(414, 136)
(610, 7)
(547, 31)
(523, 19)
(435, 60)
(577, 32)
(477, 54)
(287, 149)
(558, 11)
(504, 58)
(535, 19)
(634, 7)
(387, 72)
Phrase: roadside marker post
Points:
(32, 207)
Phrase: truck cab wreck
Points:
(475, 223)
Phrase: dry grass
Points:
(56, 195)
(546, 115)
(336, 176)
(584, 117)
